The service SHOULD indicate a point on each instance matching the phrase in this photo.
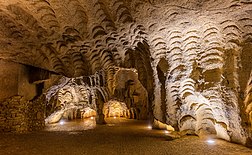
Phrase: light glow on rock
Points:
(149, 127)
(210, 141)
(167, 132)
(62, 122)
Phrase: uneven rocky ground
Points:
(119, 136)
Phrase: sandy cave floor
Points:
(118, 137)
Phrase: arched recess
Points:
(140, 59)
(129, 90)
(162, 69)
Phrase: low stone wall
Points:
(20, 115)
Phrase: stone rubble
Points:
(21, 116)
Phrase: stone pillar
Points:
(99, 104)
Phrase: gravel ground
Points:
(118, 137)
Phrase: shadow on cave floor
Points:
(117, 137)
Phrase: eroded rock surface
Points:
(193, 58)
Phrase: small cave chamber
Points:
(130, 94)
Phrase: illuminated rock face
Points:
(125, 86)
(248, 104)
(114, 108)
(73, 100)
(193, 58)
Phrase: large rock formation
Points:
(192, 57)
(115, 108)
(79, 97)
(125, 86)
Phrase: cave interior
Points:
(183, 65)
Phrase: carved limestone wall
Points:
(14, 80)
(248, 106)
(125, 86)
(78, 97)
(114, 108)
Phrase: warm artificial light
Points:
(210, 141)
(62, 122)
(166, 131)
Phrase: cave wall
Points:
(21, 110)
(20, 115)
(15, 81)
(126, 87)
(73, 98)
(65, 96)
(9, 79)
(114, 108)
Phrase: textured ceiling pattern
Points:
(78, 37)
(69, 37)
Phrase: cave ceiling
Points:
(79, 37)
